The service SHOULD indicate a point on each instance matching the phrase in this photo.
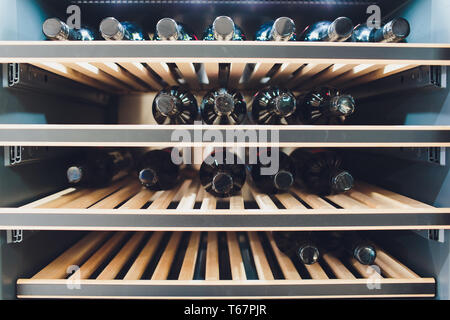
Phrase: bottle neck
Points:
(340, 105)
(341, 181)
(55, 29)
(112, 29)
(365, 254)
(75, 174)
(283, 29)
(167, 104)
(396, 30)
(224, 104)
(308, 253)
(223, 28)
(283, 180)
(148, 177)
(284, 104)
(340, 29)
(167, 29)
(222, 183)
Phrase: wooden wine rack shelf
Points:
(125, 206)
(116, 66)
(270, 135)
(212, 265)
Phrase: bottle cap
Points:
(224, 104)
(74, 174)
(222, 183)
(345, 105)
(398, 28)
(112, 29)
(341, 29)
(223, 28)
(283, 180)
(308, 254)
(148, 176)
(166, 104)
(365, 254)
(54, 28)
(341, 182)
(285, 104)
(283, 29)
(167, 29)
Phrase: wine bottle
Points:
(348, 244)
(113, 29)
(339, 30)
(281, 180)
(169, 29)
(395, 30)
(55, 29)
(100, 167)
(222, 173)
(224, 29)
(223, 106)
(282, 29)
(157, 171)
(298, 245)
(175, 105)
(320, 171)
(324, 106)
(274, 106)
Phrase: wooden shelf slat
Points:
(58, 199)
(316, 271)
(339, 270)
(392, 267)
(138, 200)
(163, 268)
(116, 72)
(236, 263)
(116, 264)
(188, 266)
(139, 265)
(365, 271)
(259, 256)
(138, 70)
(286, 264)
(212, 257)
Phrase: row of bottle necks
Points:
(222, 173)
(308, 247)
(275, 105)
(303, 248)
(223, 28)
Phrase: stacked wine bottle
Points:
(223, 28)
(275, 106)
(222, 173)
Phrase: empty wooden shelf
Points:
(125, 205)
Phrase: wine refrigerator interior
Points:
(224, 149)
